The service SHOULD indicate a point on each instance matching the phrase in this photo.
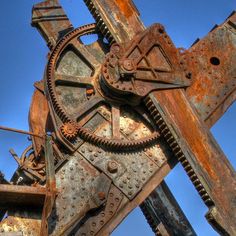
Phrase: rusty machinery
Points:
(109, 121)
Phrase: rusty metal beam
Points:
(212, 61)
(118, 20)
(51, 21)
(21, 132)
(50, 185)
(39, 117)
(11, 195)
(202, 158)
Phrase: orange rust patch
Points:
(125, 8)
(190, 129)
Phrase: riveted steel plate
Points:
(96, 222)
(133, 168)
(77, 182)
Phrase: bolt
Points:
(128, 64)
(115, 48)
(112, 166)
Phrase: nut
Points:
(112, 166)
(115, 48)
(128, 65)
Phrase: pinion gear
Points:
(69, 130)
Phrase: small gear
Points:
(69, 130)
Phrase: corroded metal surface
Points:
(51, 21)
(212, 61)
(119, 112)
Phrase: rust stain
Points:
(187, 124)
(125, 8)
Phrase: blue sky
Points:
(22, 62)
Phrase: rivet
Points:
(93, 224)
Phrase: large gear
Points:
(66, 120)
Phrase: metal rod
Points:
(21, 132)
